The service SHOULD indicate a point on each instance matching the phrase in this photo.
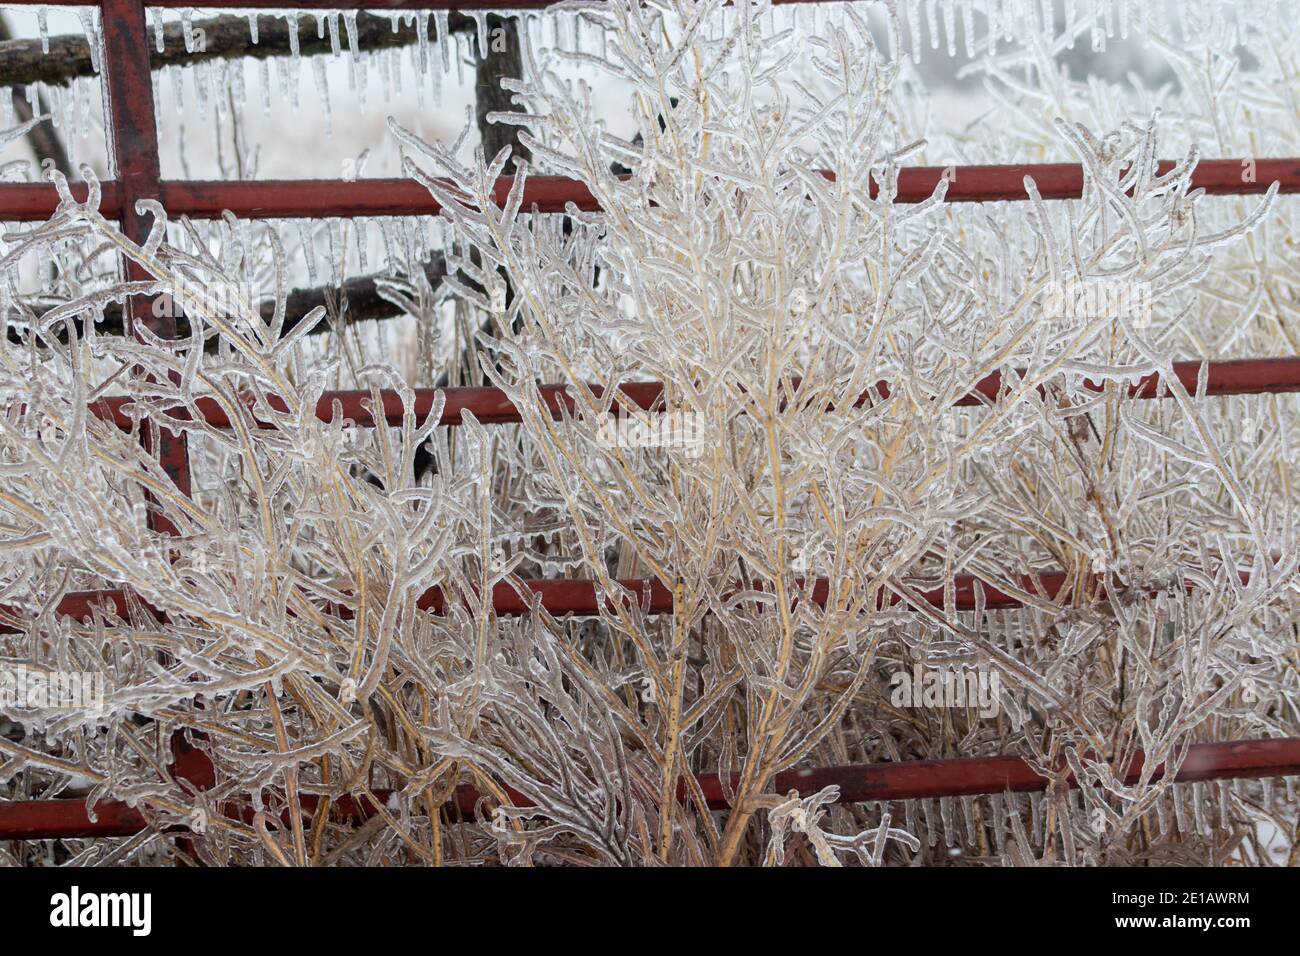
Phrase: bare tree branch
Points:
(24, 61)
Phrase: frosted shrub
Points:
(808, 522)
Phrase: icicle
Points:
(1069, 23)
(187, 29)
(968, 27)
(66, 102)
(155, 21)
(909, 813)
(81, 94)
(42, 22)
(436, 76)
(363, 77)
(422, 42)
(1016, 820)
(914, 30)
(419, 76)
(460, 61)
(931, 830)
(361, 228)
(385, 81)
(264, 75)
(1180, 811)
(76, 109)
(238, 87)
(323, 88)
(932, 23)
(282, 75)
(350, 24)
(320, 26)
(178, 89)
(332, 249)
(252, 27)
(7, 108)
(997, 817)
(294, 51)
(1198, 809)
(480, 21)
(949, 826)
(395, 69)
(201, 72)
(308, 249)
(444, 34)
(991, 10)
(342, 229)
(410, 242)
(950, 27)
(1065, 825)
(1108, 12)
(1123, 18)
(336, 47)
(968, 815)
(90, 26)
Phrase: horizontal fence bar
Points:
(35, 202)
(859, 783)
(583, 597)
(556, 596)
(317, 198)
(491, 406)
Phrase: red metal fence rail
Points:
(318, 198)
(130, 115)
(491, 406)
(906, 780)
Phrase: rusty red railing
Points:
(491, 406)
(905, 780)
(585, 598)
(317, 198)
(130, 115)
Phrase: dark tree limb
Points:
(503, 58)
(24, 61)
(364, 303)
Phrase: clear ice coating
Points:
(331, 606)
